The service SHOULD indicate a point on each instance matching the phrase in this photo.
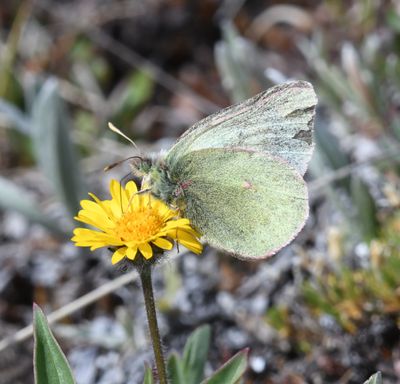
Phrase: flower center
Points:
(138, 226)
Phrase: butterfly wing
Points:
(244, 202)
(278, 121)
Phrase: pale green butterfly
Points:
(237, 174)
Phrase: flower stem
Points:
(147, 286)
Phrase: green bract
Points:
(50, 364)
(237, 174)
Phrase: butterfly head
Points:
(154, 175)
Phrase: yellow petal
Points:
(94, 220)
(90, 244)
(163, 209)
(131, 253)
(194, 246)
(145, 200)
(146, 250)
(104, 204)
(178, 223)
(118, 194)
(131, 187)
(95, 246)
(94, 210)
(91, 207)
(180, 233)
(117, 209)
(188, 240)
(118, 255)
(132, 194)
(94, 197)
(84, 234)
(163, 243)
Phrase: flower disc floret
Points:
(132, 222)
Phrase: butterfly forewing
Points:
(244, 202)
(278, 122)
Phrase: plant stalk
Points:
(147, 286)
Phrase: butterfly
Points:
(237, 175)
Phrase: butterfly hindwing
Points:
(244, 202)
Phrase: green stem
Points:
(147, 286)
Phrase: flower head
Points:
(132, 223)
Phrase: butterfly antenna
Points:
(113, 165)
(116, 130)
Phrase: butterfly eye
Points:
(144, 165)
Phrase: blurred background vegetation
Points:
(325, 309)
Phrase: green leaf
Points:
(10, 86)
(231, 371)
(329, 148)
(130, 96)
(277, 317)
(15, 116)
(15, 198)
(317, 301)
(375, 379)
(190, 369)
(366, 209)
(53, 146)
(148, 376)
(50, 364)
(195, 354)
(393, 20)
(232, 58)
(175, 370)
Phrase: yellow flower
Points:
(132, 222)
